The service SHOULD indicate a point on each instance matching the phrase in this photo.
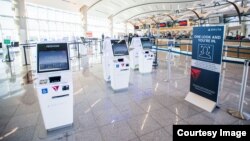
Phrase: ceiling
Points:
(140, 11)
(120, 9)
(68, 5)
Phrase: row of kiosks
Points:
(141, 56)
(116, 63)
(54, 85)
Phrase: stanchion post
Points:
(78, 48)
(239, 113)
(24, 53)
(8, 49)
(169, 62)
(155, 63)
(243, 90)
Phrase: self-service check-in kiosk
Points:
(115, 63)
(146, 56)
(141, 55)
(134, 49)
(54, 85)
(106, 57)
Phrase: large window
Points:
(7, 27)
(119, 30)
(5, 7)
(98, 26)
(51, 24)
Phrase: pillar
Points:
(126, 28)
(243, 30)
(84, 15)
(19, 9)
(111, 27)
(20, 20)
(244, 3)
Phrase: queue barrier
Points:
(236, 113)
(239, 112)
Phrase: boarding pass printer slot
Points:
(55, 79)
(120, 60)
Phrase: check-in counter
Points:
(237, 49)
(231, 48)
(162, 42)
(244, 50)
(186, 45)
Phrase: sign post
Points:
(6, 47)
(206, 66)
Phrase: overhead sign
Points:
(162, 25)
(6, 41)
(183, 23)
(206, 65)
(214, 20)
(89, 34)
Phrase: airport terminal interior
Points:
(116, 70)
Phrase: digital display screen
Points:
(146, 43)
(163, 25)
(119, 47)
(52, 57)
(183, 23)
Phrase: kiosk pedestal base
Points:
(200, 101)
(60, 127)
(237, 114)
(146, 61)
(134, 61)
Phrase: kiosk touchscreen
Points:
(141, 55)
(116, 63)
(54, 85)
(146, 56)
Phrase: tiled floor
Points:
(145, 111)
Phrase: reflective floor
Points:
(145, 111)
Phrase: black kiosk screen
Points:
(146, 43)
(119, 47)
(52, 57)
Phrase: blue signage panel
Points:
(208, 43)
(206, 61)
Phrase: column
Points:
(21, 26)
(244, 3)
(20, 20)
(84, 13)
(111, 28)
(126, 28)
